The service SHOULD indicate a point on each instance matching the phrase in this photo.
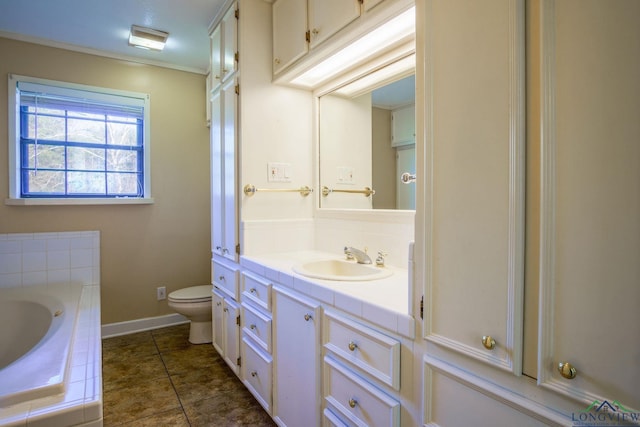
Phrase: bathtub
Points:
(50, 355)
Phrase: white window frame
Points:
(13, 126)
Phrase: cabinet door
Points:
(403, 129)
(369, 4)
(216, 57)
(229, 187)
(590, 201)
(231, 334)
(327, 17)
(217, 199)
(217, 316)
(474, 179)
(289, 28)
(229, 43)
(296, 359)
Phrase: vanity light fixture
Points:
(399, 69)
(147, 38)
(393, 31)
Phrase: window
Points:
(77, 142)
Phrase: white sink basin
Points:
(341, 270)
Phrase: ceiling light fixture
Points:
(147, 38)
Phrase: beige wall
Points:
(384, 160)
(142, 246)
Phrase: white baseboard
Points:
(138, 325)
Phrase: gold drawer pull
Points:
(252, 291)
(488, 342)
(567, 370)
(352, 346)
(222, 279)
(254, 374)
(353, 402)
(252, 326)
(307, 317)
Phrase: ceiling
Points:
(102, 27)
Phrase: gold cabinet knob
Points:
(252, 326)
(353, 402)
(315, 31)
(277, 61)
(567, 370)
(307, 317)
(254, 374)
(222, 279)
(352, 346)
(252, 291)
(488, 342)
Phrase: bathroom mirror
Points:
(367, 141)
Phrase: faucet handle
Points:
(380, 258)
(348, 253)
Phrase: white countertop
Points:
(384, 302)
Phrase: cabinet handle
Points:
(252, 290)
(225, 250)
(567, 370)
(218, 247)
(218, 303)
(353, 402)
(225, 309)
(315, 31)
(277, 61)
(352, 347)
(254, 374)
(488, 342)
(222, 278)
(252, 326)
(217, 78)
(307, 317)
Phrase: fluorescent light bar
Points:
(402, 68)
(374, 42)
(147, 38)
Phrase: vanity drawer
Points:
(354, 401)
(225, 278)
(329, 419)
(257, 290)
(257, 373)
(374, 353)
(257, 326)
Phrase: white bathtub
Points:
(50, 356)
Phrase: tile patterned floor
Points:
(157, 378)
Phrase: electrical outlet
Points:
(161, 293)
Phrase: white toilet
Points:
(195, 304)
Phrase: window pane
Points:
(82, 158)
(51, 128)
(48, 156)
(125, 184)
(85, 131)
(86, 183)
(122, 134)
(126, 119)
(122, 160)
(47, 182)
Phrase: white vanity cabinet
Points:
(226, 329)
(225, 312)
(297, 321)
(256, 345)
(361, 373)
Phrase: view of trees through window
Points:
(80, 153)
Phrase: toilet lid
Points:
(193, 293)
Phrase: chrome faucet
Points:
(359, 255)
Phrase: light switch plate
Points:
(278, 172)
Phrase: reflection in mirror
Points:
(367, 140)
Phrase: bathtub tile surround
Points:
(157, 378)
(44, 261)
(43, 258)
